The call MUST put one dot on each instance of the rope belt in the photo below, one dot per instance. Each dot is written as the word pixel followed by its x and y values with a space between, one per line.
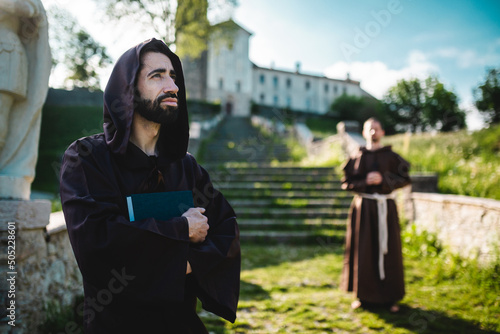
pixel 383 234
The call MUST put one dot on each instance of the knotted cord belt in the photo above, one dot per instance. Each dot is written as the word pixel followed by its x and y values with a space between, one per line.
pixel 383 234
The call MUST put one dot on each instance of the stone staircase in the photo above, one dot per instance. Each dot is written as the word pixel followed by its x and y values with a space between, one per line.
pixel 292 205
pixel 235 139
pixel 285 204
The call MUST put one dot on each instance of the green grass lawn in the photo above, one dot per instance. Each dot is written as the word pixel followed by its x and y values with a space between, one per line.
pixel 295 290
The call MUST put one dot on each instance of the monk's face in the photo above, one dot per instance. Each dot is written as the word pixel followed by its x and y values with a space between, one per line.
pixel 157 89
pixel 373 132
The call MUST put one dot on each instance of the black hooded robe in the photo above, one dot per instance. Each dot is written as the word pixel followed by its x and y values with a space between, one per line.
pixel 134 273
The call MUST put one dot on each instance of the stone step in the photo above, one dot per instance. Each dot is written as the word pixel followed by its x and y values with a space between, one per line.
pixel 232 193
pixel 294 202
pixel 291 224
pixel 266 169
pixel 323 238
pixel 282 185
pixel 283 178
pixel 281 213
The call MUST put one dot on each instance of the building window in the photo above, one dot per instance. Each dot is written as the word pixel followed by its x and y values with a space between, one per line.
pixel 344 90
pixel 288 83
pixel 275 100
pixel 308 85
pixel 308 104
pixel 275 82
pixel 288 101
pixel 326 88
pixel 262 78
pixel 335 89
pixel 262 98
pixel 238 86
pixel 221 83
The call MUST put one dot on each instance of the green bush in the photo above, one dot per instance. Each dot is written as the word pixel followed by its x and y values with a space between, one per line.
pixel 322 127
pixel 60 127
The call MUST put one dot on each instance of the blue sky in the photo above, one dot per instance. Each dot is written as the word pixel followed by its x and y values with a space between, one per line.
pixel 378 42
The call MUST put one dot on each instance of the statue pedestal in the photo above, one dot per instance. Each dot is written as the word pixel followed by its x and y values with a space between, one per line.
pixel 22 252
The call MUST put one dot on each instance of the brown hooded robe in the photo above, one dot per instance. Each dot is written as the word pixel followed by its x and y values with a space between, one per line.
pixel 134 273
pixel 361 271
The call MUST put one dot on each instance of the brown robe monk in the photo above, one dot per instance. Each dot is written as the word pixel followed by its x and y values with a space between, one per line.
pixel 361 272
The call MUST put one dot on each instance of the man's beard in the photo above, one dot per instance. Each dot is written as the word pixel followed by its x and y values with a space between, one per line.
pixel 154 112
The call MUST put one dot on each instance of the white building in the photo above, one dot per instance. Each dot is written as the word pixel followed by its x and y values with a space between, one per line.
pixel 225 74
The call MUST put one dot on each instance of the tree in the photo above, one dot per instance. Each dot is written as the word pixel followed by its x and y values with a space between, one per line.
pixel 487 96
pixel 356 108
pixel 406 100
pixel 422 105
pixel 74 49
pixel 441 108
pixel 183 21
pixel 192 28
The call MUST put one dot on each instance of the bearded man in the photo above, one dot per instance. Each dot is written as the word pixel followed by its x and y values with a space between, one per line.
pixel 145 276
pixel 373 263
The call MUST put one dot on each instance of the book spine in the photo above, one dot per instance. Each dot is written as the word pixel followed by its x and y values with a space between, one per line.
pixel 130 209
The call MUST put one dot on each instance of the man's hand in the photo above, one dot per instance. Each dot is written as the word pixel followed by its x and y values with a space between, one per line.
pixel 188 269
pixel 373 178
pixel 197 223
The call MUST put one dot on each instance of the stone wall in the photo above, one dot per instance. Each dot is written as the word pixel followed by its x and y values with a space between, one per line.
pixel 467 225
pixel 45 270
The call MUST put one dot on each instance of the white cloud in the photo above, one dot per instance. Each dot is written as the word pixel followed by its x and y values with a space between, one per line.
pixel 376 77
pixel 469 58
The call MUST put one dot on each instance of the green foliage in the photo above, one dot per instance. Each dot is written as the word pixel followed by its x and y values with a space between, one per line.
pixel 191 28
pixel 414 104
pixel 60 127
pixel 73 48
pixel 466 164
pixel 420 244
pixel 297 151
pixel 356 108
pixel 487 96
pixel 322 127
pixel 445 267
pixel 62 319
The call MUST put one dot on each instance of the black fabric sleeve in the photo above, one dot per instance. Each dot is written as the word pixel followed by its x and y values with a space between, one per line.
pixel 216 262
pixel 151 254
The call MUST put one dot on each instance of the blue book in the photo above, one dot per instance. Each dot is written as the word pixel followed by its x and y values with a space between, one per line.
pixel 161 206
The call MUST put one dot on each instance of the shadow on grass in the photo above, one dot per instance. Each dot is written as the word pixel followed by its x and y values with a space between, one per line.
pixel 250 291
pixel 426 321
pixel 261 256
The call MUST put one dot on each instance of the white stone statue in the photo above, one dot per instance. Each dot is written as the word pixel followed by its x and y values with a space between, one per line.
pixel 25 63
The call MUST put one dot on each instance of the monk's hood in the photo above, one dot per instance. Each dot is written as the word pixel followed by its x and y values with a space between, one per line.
pixel 119 106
